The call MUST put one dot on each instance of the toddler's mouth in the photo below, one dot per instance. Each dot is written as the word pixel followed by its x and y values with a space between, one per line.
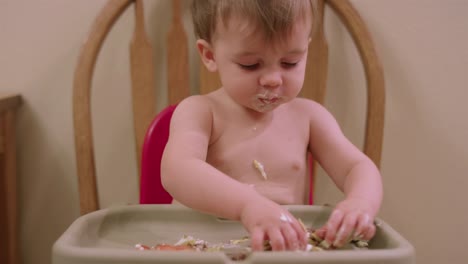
pixel 268 101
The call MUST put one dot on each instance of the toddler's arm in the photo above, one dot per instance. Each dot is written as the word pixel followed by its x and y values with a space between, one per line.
pixel 196 184
pixel 353 173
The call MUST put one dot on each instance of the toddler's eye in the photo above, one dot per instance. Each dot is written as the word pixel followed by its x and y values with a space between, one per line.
pixel 249 67
pixel 289 64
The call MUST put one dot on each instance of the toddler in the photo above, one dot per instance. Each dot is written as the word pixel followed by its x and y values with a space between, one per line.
pixel 240 152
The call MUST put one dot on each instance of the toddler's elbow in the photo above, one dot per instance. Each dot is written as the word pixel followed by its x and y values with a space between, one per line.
pixel 165 179
pixel 165 172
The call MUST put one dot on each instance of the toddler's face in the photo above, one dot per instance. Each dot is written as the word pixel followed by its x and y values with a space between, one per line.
pixel 257 74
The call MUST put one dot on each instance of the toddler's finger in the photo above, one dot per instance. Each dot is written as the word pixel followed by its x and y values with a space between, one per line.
pixel 256 239
pixel 345 230
pixel 276 240
pixel 363 223
pixel 321 232
pixel 290 237
pixel 369 232
pixel 332 225
pixel 301 233
pixel 302 237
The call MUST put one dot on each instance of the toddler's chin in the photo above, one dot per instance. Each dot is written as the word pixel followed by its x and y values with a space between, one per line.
pixel 263 108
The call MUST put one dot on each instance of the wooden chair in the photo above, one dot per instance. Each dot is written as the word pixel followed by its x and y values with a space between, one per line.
pixel 144 90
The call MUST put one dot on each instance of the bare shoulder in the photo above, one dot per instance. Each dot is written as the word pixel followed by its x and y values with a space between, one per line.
pixel 314 111
pixel 323 127
pixel 304 103
pixel 194 103
pixel 194 112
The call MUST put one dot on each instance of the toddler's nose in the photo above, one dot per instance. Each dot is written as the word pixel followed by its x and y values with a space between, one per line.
pixel 271 79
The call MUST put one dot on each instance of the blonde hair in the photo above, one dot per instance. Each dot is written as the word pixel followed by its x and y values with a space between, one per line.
pixel 271 17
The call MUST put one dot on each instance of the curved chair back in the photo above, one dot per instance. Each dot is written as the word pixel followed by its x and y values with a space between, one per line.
pixel 144 87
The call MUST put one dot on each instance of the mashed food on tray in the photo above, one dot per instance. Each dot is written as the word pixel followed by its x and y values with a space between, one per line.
pixel 239 249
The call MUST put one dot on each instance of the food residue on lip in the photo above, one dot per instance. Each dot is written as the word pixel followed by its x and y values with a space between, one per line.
pixel 257 165
pixel 268 101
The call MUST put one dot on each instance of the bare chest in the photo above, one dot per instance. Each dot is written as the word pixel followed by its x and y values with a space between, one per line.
pixel 272 158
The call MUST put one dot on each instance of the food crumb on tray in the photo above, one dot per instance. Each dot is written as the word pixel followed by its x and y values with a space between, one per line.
pixel 239 249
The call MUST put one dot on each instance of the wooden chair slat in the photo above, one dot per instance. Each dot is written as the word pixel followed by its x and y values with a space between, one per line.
pixel 177 58
pixel 374 77
pixel 143 84
pixel 82 103
pixel 315 80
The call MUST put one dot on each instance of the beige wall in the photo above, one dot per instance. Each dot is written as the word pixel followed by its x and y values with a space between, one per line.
pixel 422 44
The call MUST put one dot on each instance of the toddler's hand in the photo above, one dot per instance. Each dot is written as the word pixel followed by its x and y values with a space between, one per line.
pixel 265 219
pixel 351 219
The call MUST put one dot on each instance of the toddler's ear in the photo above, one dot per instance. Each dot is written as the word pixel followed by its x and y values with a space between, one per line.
pixel 206 54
